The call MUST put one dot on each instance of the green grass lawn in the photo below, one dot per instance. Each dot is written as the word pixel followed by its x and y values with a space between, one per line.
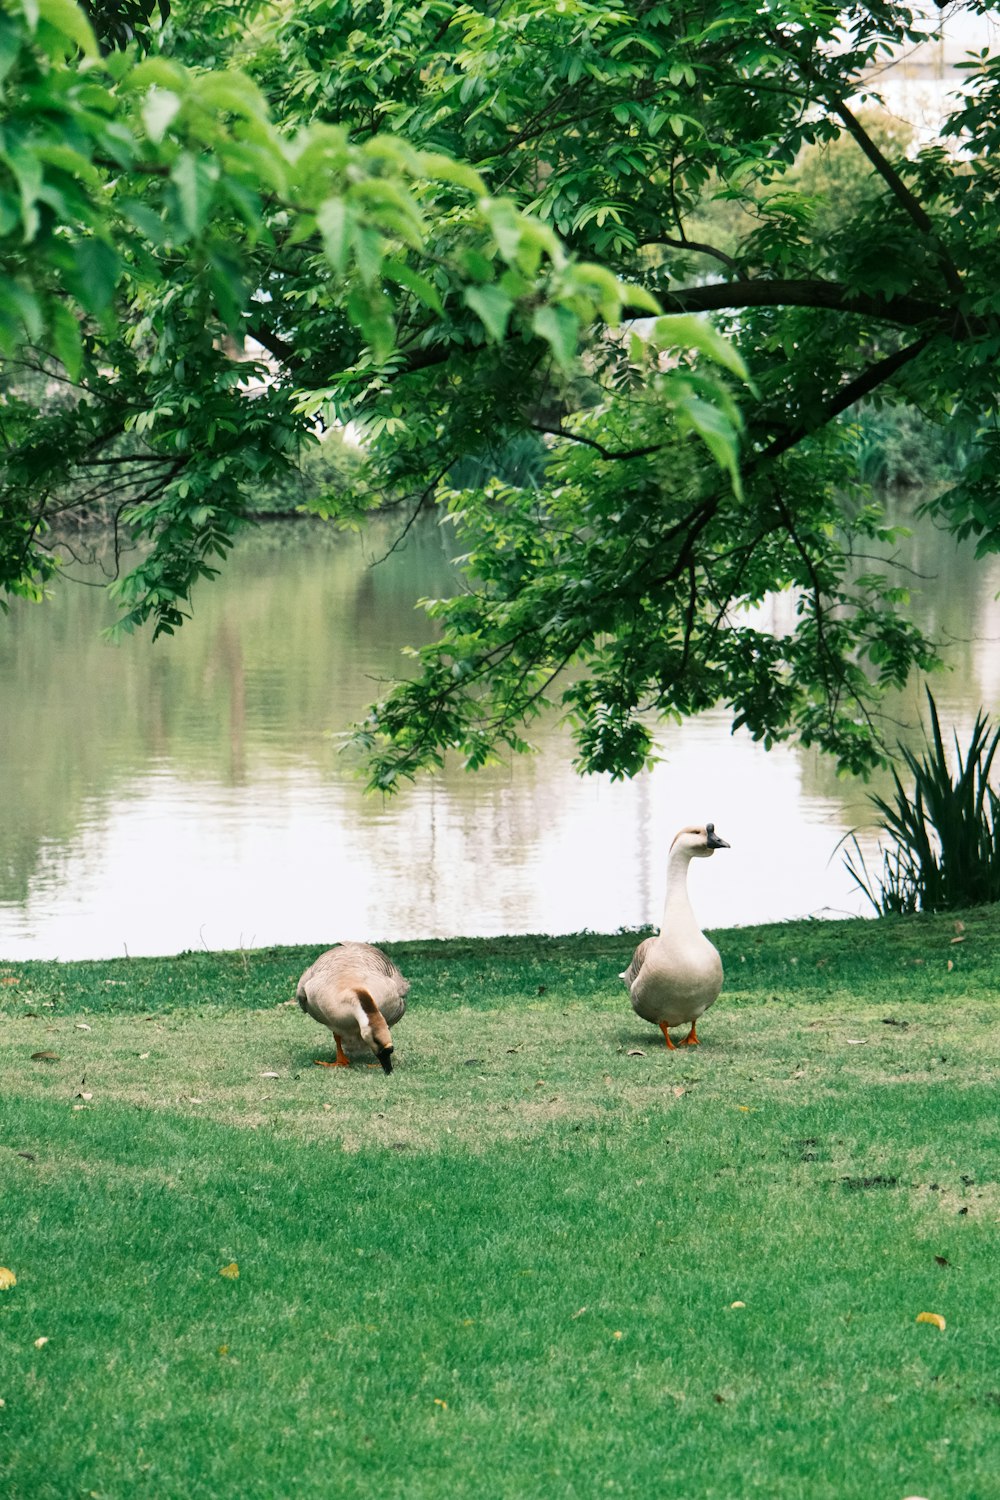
pixel 545 1258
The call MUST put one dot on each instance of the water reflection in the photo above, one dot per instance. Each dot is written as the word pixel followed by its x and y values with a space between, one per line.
pixel 192 792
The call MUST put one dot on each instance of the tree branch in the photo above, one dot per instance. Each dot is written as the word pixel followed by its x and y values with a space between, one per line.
pixel 904 311
pixel 862 385
pixel 729 296
pixel 606 453
pixel 907 200
pixel 696 245
pixel 425 495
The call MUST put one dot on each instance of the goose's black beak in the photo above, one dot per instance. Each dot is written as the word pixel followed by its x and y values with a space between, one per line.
pixel 714 842
pixel 384 1056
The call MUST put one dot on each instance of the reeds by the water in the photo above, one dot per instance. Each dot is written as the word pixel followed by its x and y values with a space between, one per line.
pixel 946 833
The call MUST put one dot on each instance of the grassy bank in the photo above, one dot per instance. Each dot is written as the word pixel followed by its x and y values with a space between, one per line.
pixel 544 1258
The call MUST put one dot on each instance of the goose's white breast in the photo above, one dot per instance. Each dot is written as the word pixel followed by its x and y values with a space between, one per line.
pixel 678 981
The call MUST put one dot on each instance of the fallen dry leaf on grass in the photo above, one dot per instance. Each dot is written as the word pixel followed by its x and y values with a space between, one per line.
pixel 636 1052
pixel 83 1096
pixel 270 1075
pixel 10 979
pixel 40 1343
pixel 438 1402
pixel 231 1272
pixel 737 1304
pixel 678 1090
pixel 45 1057
pixel 7 1278
pixel 934 1318
pixel 82 1026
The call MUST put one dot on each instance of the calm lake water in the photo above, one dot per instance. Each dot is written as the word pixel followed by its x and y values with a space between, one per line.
pixel 193 793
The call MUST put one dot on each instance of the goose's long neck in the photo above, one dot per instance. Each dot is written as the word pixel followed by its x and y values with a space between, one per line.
pixel 677 910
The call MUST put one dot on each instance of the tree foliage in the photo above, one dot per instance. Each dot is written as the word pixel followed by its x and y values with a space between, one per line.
pixel 471 227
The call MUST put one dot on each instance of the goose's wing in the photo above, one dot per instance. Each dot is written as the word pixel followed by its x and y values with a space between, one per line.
pixel 388 986
pixel 393 1001
pixel 628 976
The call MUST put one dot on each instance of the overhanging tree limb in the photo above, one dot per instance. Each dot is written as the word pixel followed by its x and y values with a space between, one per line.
pixel 452 319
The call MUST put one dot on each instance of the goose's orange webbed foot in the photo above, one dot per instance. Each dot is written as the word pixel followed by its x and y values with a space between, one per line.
pixel 666 1036
pixel 691 1040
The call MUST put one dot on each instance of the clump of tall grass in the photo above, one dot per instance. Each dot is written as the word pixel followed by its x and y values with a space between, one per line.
pixel 946 849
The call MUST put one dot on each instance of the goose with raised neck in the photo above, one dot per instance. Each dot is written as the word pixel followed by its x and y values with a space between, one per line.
pixel 674 977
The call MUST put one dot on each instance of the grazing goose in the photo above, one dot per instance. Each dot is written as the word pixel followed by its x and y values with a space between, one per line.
pixel 359 993
pixel 675 977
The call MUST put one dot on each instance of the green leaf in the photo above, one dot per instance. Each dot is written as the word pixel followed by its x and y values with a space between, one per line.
pixel 424 290
pixel 66 159
pixel 505 224
pixel 599 284
pixel 334 223
pixel 639 298
pixel 371 312
pixel 194 180
pixel 20 314
pixel 66 339
pixel 70 21
pixel 233 92
pixel 441 168
pixel 228 289
pixel 689 331
pixel 560 329
pixel 156 72
pixel 159 110
pixel 369 253
pixel 96 269
pixel 492 307
pixel 144 218
pixel 716 432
